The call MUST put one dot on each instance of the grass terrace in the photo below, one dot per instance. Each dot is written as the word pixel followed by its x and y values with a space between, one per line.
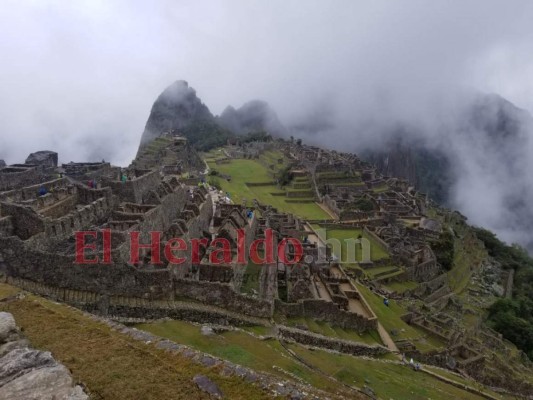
pixel 243 171
pixel 389 317
pixel 110 364
pixel 323 328
pixel 377 251
pixel 130 369
pixel 387 379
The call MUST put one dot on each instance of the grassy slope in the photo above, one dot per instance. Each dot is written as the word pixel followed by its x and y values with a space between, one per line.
pixel 390 319
pixel 112 365
pixel 376 250
pixel 242 171
pixel 387 379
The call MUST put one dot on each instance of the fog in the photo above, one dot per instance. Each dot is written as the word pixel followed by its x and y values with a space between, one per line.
pixel 80 77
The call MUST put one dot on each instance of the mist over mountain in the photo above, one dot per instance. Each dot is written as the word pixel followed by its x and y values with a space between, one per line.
pixel 471 152
pixel 178 108
pixel 253 116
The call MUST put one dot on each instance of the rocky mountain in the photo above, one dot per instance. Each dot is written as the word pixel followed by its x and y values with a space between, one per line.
pixel 176 108
pixel 253 116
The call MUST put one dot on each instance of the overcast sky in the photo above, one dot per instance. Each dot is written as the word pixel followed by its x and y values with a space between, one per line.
pixel 80 77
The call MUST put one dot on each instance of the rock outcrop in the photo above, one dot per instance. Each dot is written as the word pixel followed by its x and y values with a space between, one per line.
pixel 175 108
pixel 45 158
pixel 26 373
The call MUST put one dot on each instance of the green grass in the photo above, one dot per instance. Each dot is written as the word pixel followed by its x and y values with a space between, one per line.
pixel 389 317
pixel 111 365
pixel 468 254
pixel 401 287
pixel 242 171
pixel 323 328
pixel 240 348
pixel 388 380
pixel 372 272
pixel 377 251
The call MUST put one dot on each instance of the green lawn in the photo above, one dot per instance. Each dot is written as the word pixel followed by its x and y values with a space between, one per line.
pixel 326 329
pixel 401 287
pixel 241 348
pixel 387 379
pixel 242 171
pixel 389 317
pixel 377 251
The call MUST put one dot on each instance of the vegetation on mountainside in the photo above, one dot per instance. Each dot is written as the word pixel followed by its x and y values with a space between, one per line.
pixel 284 176
pixel 110 364
pixel 377 251
pixel 387 379
pixel 513 318
pixel 444 249
pixel 243 171
pixel 206 135
pixel 364 204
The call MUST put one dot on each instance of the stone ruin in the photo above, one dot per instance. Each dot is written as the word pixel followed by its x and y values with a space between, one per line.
pixel 41 211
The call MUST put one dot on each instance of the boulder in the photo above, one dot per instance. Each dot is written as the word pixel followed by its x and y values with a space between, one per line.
pixel 7 326
pixel 207 385
pixel 29 374
pixel 45 158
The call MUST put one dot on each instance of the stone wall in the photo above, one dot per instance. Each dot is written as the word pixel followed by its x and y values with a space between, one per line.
pixel 340 345
pixel 326 311
pixel 134 189
pixel 129 307
pixel 17 177
pixel 222 295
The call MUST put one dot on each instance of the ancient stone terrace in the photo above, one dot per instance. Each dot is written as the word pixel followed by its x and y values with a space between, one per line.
pixel 88 170
pixel 169 153
pixel 64 208
pixel 14 177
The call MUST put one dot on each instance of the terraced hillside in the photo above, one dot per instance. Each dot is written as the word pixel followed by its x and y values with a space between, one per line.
pixel 249 179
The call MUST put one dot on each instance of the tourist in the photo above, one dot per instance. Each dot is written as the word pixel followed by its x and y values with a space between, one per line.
pixel 42 191
pixel 386 301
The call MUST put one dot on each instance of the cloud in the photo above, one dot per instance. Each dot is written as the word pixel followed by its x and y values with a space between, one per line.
pixel 80 77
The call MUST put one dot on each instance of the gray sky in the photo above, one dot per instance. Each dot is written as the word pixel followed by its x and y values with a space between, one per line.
pixel 80 77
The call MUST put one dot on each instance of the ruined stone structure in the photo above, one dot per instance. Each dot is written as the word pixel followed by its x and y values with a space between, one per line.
pixel 39 223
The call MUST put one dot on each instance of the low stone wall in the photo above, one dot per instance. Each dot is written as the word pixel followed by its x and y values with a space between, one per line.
pixel 289 309
pixel 222 295
pixel 340 345
pixel 130 307
pixel 13 178
pixel 326 311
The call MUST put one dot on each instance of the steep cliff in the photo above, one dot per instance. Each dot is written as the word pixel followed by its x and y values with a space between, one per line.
pixel 177 107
